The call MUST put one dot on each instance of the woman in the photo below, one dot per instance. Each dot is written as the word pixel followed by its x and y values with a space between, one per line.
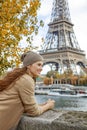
pixel 17 92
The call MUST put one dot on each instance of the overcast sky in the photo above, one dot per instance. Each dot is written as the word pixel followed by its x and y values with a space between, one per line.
pixel 78 13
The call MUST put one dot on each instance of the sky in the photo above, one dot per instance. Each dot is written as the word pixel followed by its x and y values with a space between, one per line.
pixel 78 13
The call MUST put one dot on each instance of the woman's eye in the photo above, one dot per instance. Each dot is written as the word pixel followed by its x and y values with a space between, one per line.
pixel 40 65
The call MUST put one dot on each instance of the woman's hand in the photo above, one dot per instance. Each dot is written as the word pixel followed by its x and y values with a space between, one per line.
pixel 47 105
pixel 51 103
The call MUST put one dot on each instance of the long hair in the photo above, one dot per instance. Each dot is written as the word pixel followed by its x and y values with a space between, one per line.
pixel 11 77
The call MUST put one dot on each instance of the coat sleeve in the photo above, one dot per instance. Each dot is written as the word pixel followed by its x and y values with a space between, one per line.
pixel 26 94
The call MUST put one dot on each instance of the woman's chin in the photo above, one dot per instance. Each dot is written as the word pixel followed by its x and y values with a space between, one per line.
pixel 38 75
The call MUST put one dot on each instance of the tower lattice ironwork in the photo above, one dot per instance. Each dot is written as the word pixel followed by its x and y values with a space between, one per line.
pixel 61 47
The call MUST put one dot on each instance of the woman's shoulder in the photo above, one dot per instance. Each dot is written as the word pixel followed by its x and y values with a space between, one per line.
pixel 25 80
pixel 26 76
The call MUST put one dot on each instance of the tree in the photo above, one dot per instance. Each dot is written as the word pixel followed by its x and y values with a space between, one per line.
pixel 18 18
pixel 52 73
pixel 48 80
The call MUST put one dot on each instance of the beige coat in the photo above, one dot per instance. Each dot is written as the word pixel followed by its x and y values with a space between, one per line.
pixel 17 100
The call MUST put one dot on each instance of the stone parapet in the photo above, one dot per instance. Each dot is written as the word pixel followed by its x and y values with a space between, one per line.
pixel 55 120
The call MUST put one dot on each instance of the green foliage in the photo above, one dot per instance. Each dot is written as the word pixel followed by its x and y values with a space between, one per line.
pixel 52 73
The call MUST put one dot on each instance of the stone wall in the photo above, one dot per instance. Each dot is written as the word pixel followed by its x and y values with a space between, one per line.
pixel 55 120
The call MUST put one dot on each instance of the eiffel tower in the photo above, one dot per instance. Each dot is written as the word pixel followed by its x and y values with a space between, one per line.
pixel 61 48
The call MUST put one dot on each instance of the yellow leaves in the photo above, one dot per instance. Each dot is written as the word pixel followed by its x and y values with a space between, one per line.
pixel 4 32
pixel 18 18
pixel 25 31
pixel 5 4
pixel 7 25
pixel 31 29
pixel 23 2
pixel 48 81
pixel 34 4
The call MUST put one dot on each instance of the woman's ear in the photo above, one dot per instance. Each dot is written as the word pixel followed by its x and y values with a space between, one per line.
pixel 28 67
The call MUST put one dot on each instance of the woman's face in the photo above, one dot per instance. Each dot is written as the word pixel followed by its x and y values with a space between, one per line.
pixel 35 69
